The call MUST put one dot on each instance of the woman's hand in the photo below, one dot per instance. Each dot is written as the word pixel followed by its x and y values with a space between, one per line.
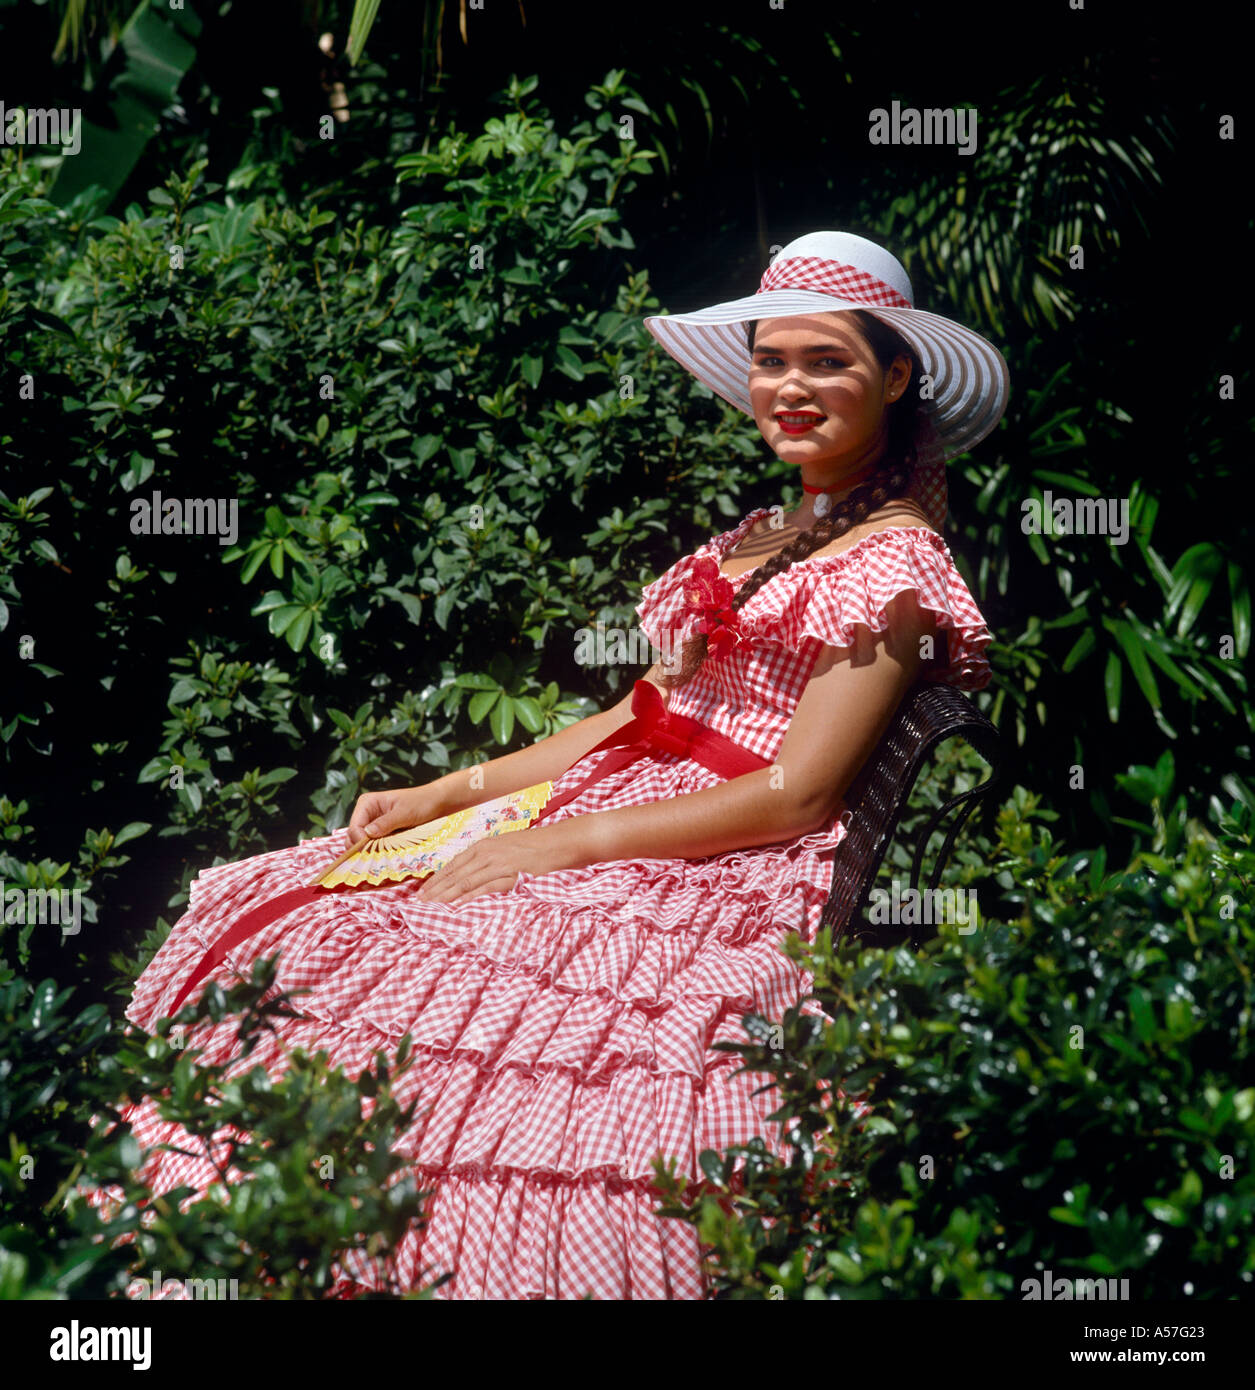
pixel 493 865
pixel 382 813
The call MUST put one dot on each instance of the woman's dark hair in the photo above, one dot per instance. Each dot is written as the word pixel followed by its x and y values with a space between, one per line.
pixel 890 481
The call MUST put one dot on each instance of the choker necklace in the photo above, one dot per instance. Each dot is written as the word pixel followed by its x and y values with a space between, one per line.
pixel 823 501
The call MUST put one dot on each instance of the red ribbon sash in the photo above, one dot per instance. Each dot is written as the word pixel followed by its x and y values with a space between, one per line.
pixel 652 728
pixel 240 930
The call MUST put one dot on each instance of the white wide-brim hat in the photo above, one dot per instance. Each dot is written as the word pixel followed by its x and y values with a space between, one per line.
pixel 824 272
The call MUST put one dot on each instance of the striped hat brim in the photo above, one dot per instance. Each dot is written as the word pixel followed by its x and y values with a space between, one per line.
pixel 970 381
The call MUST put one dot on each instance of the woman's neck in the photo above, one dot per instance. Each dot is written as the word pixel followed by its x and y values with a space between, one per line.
pixel 806 514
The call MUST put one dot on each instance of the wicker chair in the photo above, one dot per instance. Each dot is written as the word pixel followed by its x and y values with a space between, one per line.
pixel 929 714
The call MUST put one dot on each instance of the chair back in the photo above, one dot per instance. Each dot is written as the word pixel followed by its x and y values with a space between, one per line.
pixel 929 714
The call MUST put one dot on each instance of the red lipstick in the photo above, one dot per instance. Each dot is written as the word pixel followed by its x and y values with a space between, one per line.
pixel 797 421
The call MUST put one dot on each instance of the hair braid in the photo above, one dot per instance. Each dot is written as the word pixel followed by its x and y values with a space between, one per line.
pixel 889 482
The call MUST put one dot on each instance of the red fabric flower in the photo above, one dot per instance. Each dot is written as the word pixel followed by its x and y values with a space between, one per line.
pixel 710 594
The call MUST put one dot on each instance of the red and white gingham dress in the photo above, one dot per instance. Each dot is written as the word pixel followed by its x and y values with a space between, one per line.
pixel 564 1029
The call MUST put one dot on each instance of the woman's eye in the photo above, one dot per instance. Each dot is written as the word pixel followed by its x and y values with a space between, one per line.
pixel 771 360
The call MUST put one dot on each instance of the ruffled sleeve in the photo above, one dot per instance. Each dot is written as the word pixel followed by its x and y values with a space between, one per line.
pixel 662 601
pixel 827 597
pixel 661 608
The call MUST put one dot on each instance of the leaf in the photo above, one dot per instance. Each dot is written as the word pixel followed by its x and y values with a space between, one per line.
pixel 844 1267
pixel 1241 597
pixel 1139 783
pixel 184 689
pixel 253 563
pixel 1143 1013
pixel 283 618
pixel 1193 605
pixel 360 25
pixel 1164 1211
pixel 1192 578
pixel 529 713
pixel 132 831
pixel 49 321
pixel 1111 684
pixel 270 600
pixel 481 703
pixel 1131 644
pixel 154 50
pixel 1153 648
pixel 276 775
pixel 299 629
pixel 43 1003
pixel 1238 790
pixel 444 605
pixel 568 363
pixel 1068 480
pixel 1080 650
pixel 501 720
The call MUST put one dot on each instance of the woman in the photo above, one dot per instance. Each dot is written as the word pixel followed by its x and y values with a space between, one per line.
pixel 564 985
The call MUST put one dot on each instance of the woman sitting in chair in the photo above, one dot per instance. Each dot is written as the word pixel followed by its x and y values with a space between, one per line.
pixel 564 985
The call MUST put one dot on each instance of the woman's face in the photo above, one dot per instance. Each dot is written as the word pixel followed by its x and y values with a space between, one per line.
pixel 819 395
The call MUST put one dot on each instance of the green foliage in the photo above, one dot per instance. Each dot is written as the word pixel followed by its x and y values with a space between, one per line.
pixel 1065 1088
pixel 1143 628
pixel 452 446
pixel 138 80
pixel 427 429
pixel 318 1181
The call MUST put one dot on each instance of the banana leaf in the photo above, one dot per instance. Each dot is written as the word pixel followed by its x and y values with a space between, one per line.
pixel 154 51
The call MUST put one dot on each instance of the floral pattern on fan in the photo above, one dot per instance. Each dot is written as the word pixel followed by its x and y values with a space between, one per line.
pixel 421 850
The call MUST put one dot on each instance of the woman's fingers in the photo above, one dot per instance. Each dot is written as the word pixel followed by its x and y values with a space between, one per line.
pixel 451 890
pixel 476 870
pixel 496 885
pixel 369 811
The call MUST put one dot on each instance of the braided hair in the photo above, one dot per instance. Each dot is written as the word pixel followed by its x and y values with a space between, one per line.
pixel 890 481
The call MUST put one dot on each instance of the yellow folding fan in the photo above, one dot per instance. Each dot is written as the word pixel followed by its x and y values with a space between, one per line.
pixel 421 850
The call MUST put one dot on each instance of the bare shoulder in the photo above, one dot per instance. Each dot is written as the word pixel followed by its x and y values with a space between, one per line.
pixel 904 511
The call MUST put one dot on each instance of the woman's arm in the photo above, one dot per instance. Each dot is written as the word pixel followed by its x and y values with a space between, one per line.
pixel 397 808
pixel 842 714
pixel 544 761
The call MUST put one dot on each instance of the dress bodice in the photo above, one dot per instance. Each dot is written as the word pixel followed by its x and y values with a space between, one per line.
pixel 751 693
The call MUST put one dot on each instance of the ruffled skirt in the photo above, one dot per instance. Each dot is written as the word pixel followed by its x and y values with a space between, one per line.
pixel 563 1036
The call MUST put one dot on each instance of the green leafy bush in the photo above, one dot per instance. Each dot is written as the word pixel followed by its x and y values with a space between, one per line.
pixel 427 430
pixel 1065 1089
pixel 320 1178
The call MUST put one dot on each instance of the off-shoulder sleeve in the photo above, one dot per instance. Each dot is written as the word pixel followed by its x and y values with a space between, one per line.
pixel 662 602
pixel 661 608
pixel 828 597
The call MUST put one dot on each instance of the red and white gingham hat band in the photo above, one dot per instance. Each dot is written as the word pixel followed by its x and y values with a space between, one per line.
pixel 825 272
pixel 830 277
